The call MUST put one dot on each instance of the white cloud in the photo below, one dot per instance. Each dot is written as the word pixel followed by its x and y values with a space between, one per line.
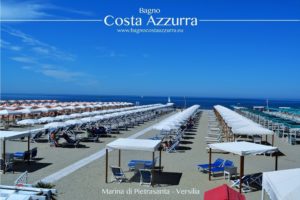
pixel 38 46
pixel 12 9
pixel 41 50
pixel 24 59
pixel 8 45
pixel 62 74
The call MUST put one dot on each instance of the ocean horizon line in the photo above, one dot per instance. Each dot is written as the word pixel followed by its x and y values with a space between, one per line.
pixel 154 96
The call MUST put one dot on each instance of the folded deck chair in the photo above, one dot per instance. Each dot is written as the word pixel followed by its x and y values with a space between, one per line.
pixel 117 174
pixel 213 140
pixel 146 177
pixel 249 182
pixel 218 163
pixel 70 142
pixel 173 147
pixel 33 153
pixel 220 169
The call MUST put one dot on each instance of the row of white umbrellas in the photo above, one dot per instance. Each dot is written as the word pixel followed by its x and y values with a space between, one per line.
pixel 78 115
pixel 29 110
pixel 240 124
pixel 175 121
pixel 104 117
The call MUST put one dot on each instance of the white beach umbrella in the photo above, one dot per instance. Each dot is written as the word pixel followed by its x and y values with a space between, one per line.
pixel 55 125
pixel 25 111
pixel 86 119
pixel 84 114
pixel 44 110
pixel 75 115
pixel 7 112
pixel 62 117
pixel 58 108
pixel 46 119
pixel 99 117
pixel 69 108
pixel 27 122
pixel 73 122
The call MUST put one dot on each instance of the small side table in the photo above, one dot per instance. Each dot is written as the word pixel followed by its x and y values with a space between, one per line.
pixel 229 171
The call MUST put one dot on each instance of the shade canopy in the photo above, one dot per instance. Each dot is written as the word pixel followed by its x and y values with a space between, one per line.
pixel 243 148
pixel 282 185
pixel 241 125
pixel 8 135
pixel 223 192
pixel 176 120
pixel 134 144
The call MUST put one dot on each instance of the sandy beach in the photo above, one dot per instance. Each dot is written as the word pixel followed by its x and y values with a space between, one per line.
pixel 88 182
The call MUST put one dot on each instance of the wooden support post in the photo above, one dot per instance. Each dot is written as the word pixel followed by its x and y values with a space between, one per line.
pixel 119 157
pixel 272 140
pixel 153 155
pixel 276 162
pixel 160 159
pixel 3 155
pixel 209 165
pixel 28 149
pixel 106 166
pixel 241 172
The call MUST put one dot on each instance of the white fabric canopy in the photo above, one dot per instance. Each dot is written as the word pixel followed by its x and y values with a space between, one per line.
pixel 134 144
pixel 282 185
pixel 241 125
pixel 7 135
pixel 243 148
pixel 176 120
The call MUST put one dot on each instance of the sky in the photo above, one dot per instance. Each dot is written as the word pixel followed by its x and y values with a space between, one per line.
pixel 214 59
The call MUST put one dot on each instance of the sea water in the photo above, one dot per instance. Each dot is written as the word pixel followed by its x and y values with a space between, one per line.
pixel 206 103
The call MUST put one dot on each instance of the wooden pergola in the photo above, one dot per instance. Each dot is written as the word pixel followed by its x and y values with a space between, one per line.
pixel 134 145
pixel 242 149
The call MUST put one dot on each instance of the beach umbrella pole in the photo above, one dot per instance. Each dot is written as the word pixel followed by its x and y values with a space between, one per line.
pixel 160 159
pixel 241 172
pixel 119 157
pixel 106 165
pixel 153 155
pixel 3 155
pixel 28 149
pixel 209 165
pixel 276 162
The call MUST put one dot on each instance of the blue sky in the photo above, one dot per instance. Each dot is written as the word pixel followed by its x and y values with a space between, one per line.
pixel 214 59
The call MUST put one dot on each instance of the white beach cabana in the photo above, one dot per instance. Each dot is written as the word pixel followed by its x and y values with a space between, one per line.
pixel 242 149
pixel 281 185
pixel 176 120
pixel 240 125
pixel 9 135
pixel 134 145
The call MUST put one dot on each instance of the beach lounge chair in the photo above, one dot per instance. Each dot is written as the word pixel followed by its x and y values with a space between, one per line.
pixel 218 163
pixel 70 142
pixel 148 164
pixel 9 162
pixel 220 169
pixel 33 153
pixel 146 177
pixel 22 155
pixel 173 147
pixel 250 182
pixel 213 139
pixel 117 174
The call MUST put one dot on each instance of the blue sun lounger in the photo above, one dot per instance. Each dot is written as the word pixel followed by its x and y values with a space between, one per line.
pixel 218 163
pixel 214 170
pixel 148 164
